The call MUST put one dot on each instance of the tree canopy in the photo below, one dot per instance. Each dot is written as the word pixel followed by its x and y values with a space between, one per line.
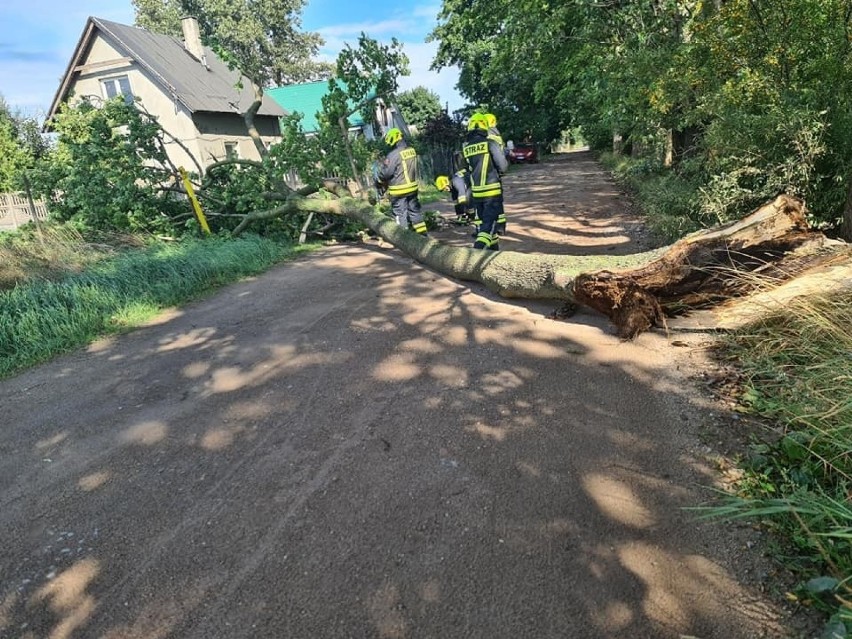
pixel 261 38
pixel 419 105
pixel 21 144
pixel 742 99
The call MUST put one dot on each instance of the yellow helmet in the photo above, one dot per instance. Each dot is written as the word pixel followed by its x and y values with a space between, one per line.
pixel 491 119
pixel 393 136
pixel 442 182
pixel 477 121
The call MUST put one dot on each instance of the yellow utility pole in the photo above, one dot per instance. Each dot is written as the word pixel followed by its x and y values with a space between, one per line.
pixel 195 205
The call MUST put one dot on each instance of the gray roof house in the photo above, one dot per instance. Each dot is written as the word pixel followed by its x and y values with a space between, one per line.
pixel 185 85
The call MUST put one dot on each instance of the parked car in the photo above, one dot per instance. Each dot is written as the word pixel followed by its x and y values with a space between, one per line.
pixel 523 153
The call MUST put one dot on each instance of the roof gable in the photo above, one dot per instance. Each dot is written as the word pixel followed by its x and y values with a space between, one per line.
pixel 210 88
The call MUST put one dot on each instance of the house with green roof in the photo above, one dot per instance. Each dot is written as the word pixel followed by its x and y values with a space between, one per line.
pixel 306 99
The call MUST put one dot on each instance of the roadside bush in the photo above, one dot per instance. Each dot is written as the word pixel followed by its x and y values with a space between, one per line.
pixel 797 372
pixel 668 200
pixel 107 170
pixel 753 157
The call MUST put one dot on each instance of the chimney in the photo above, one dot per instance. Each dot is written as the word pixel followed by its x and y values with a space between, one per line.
pixel 192 38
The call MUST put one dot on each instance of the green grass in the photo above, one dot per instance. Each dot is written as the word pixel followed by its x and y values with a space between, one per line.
pixel 52 251
pixel 797 372
pixel 41 318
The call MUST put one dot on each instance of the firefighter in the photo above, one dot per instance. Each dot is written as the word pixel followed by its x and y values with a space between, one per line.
pixel 461 179
pixel 493 131
pixel 459 188
pixel 485 164
pixel 399 174
pixel 494 134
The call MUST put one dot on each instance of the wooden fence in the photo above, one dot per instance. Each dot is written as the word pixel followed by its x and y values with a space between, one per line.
pixel 15 210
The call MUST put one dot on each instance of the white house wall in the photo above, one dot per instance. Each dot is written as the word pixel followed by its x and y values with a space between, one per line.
pixel 103 61
pixel 172 115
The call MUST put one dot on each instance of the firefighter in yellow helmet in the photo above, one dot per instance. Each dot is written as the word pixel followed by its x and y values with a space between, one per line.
pixel 485 164
pixel 458 186
pixel 493 131
pixel 494 134
pixel 399 174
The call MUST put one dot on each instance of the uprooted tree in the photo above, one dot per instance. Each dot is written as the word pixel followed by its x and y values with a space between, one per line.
pixel 121 151
pixel 635 291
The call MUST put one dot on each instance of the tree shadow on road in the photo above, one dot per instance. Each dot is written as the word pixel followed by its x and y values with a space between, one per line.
pixel 353 446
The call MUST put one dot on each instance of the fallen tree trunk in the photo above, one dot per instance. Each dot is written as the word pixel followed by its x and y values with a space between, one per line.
pixel 635 291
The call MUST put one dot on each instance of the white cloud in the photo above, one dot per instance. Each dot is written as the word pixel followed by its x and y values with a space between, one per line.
pixel 420 57
pixel 372 29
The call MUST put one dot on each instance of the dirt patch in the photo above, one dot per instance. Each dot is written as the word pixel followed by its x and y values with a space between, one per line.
pixel 354 446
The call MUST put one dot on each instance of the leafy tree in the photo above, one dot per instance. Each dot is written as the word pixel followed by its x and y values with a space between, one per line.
pixel 507 53
pixel 443 130
pixel 419 105
pixel 438 142
pixel 109 169
pixel 369 70
pixel 365 72
pixel 12 157
pixel 261 37
pixel 21 144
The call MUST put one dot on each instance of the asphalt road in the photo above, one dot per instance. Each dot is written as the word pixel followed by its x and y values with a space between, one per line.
pixel 353 446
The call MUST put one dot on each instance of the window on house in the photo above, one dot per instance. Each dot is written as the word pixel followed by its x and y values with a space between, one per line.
pixel 118 86
pixel 232 151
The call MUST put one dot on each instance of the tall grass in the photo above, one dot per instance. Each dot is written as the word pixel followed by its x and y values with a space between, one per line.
pixel 797 371
pixel 50 251
pixel 40 318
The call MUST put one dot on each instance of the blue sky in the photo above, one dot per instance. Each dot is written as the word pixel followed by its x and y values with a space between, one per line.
pixel 37 39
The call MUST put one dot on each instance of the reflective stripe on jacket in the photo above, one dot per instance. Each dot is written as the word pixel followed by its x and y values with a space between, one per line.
pixel 399 170
pixel 459 187
pixel 486 163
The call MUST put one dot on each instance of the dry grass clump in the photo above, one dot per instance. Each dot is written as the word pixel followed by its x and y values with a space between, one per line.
pixel 53 251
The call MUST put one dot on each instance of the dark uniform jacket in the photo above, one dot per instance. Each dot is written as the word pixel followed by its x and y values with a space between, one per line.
pixel 486 162
pixel 399 170
pixel 460 187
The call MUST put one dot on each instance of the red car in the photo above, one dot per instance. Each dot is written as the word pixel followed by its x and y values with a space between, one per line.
pixel 523 153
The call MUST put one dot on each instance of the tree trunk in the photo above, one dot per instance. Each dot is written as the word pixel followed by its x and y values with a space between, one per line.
pixel 846 225
pixel 249 116
pixel 634 291
pixel 682 144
